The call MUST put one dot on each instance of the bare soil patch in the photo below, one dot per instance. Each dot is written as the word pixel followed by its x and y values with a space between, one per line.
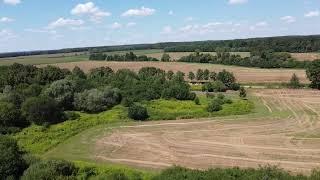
pixel 306 56
pixel 249 142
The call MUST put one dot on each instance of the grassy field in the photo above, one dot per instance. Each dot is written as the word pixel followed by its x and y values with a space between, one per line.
pixel 38 139
pixel 269 135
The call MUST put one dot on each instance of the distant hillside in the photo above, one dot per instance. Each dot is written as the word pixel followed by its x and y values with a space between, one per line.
pixel 294 44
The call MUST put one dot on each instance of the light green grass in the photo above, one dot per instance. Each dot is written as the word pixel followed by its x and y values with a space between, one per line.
pixel 38 139
pixel 42 59
pixel 173 109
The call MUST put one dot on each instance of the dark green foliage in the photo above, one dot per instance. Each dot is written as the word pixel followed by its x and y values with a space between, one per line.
pixel 260 59
pixel 191 76
pixel 294 82
pixel 170 75
pixel 215 105
pixel 50 170
pixel 216 86
pixel 313 73
pixel 206 74
pixel 31 90
pixel 77 72
pixel 213 76
pixel 199 75
pixel 138 112
pixel 227 78
pixel 179 173
pixel 10 115
pixel 50 74
pixel 62 91
pixel 95 100
pixel 11 161
pixel 119 57
pixel 165 57
pixel 177 89
pixel 18 74
pixel 42 110
pixel 101 72
pixel 197 101
pixel 243 92
pixel 11 96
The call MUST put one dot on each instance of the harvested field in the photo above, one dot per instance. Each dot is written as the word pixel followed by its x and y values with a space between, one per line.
pixel 243 74
pixel 306 56
pixel 291 142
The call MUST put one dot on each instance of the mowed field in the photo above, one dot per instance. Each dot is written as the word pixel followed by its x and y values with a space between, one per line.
pixel 284 131
pixel 243 75
pixel 306 56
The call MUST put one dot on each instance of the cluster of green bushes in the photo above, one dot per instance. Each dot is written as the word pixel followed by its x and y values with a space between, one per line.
pixel 261 59
pixel 216 103
pixel 32 95
pixel 119 57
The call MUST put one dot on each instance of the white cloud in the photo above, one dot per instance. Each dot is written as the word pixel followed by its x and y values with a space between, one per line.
pixel 116 25
pixel 312 14
pixel 130 24
pixel 6 19
pixel 288 19
pixel 170 13
pixel 6 35
pixel 235 2
pixel 41 31
pixel 143 11
pixel 261 24
pixel 62 22
pixel 12 2
pixel 167 30
pixel 90 9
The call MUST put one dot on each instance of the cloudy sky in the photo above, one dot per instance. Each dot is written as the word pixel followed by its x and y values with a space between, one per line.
pixel 54 24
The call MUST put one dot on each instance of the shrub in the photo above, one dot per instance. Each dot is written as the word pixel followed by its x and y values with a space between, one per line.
pixel 62 91
pixel 42 110
pixel 227 78
pixel 216 86
pixel 50 170
pixel 294 82
pixel 313 73
pixel 138 112
pixel 165 57
pixel 9 115
pixel 50 74
pixel 77 72
pixel 197 101
pixel 170 75
pixel 11 161
pixel 95 100
pixel 191 76
pixel 215 105
pixel 243 92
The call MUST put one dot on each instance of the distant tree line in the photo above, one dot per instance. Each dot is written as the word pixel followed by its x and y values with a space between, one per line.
pixel 261 59
pixel 43 96
pixel 277 44
pixel 120 57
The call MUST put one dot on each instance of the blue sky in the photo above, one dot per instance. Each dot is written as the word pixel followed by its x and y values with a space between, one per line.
pixel 48 24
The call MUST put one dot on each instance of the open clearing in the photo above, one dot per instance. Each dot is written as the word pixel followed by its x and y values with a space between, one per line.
pixel 306 56
pixel 243 74
pixel 252 142
pixel 285 133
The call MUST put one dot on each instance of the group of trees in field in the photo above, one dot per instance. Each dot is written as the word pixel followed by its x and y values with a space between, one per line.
pixel 261 59
pixel 31 95
pixel 276 44
pixel 120 57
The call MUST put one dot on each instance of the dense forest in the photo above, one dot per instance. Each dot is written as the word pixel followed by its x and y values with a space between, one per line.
pixel 278 44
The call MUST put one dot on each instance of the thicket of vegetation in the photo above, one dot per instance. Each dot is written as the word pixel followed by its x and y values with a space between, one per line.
pixel 40 96
pixel 277 44
pixel 261 59
pixel 120 57
pixel 313 73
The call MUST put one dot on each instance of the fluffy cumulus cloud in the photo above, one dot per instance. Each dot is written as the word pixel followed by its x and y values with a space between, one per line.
pixel 235 2
pixel 312 14
pixel 288 19
pixel 90 9
pixel 12 2
pixel 6 19
pixel 63 22
pixel 143 11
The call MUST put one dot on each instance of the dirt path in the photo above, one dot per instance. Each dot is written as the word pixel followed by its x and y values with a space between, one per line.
pixel 251 142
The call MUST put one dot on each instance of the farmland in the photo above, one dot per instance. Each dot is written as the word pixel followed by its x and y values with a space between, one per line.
pixel 244 75
pixel 283 131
